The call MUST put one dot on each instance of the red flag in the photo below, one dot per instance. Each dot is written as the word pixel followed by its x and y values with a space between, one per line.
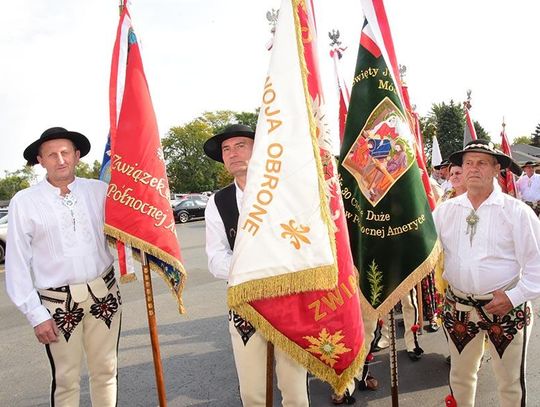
pixel 321 328
pixel 137 209
pixel 507 182
pixel 469 133
pixel 419 146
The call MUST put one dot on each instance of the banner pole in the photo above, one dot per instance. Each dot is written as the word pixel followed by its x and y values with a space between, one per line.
pixel 152 325
pixel 393 361
pixel 269 374
pixel 420 301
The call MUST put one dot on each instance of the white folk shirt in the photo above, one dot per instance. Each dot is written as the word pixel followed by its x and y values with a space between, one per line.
pixel 217 246
pixel 505 248
pixel 529 188
pixel 55 245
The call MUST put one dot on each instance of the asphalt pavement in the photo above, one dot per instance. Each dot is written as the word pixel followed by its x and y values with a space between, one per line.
pixel 196 353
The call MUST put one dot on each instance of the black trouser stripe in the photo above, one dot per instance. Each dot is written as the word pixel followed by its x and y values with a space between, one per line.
pixel 307 389
pixel 117 345
pixel 53 373
pixel 523 357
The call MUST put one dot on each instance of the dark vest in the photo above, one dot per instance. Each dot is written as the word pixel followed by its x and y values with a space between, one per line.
pixel 228 210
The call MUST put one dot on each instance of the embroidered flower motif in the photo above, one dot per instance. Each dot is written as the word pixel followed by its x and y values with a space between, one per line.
pixel 67 320
pixel 105 308
pixel 329 347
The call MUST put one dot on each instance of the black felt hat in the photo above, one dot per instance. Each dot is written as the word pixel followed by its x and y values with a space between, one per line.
pixel 81 143
pixel 481 146
pixel 444 163
pixel 529 164
pixel 212 146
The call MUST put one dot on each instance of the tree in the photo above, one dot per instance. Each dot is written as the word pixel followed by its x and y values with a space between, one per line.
pixel 536 136
pixel 480 131
pixel 15 181
pixel 447 122
pixel 188 168
pixel 83 170
pixel 523 140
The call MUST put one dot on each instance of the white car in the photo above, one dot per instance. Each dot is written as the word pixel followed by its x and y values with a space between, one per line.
pixel 3 237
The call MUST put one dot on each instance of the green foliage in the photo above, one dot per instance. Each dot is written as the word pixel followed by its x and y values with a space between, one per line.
pixel 523 140
pixel 374 277
pixel 447 122
pixel 15 181
pixel 536 136
pixel 83 170
pixel 188 168
pixel 480 131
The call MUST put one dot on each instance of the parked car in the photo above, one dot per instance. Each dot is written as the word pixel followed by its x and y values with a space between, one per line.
pixel 3 237
pixel 3 212
pixel 189 208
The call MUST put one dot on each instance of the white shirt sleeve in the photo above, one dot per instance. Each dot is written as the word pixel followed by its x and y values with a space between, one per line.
pixel 527 245
pixel 19 282
pixel 217 246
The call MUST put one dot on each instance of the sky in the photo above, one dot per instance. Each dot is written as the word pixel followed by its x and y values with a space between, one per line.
pixel 206 55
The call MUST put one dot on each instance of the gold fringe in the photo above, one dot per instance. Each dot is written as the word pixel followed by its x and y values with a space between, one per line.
pixel 440 283
pixel 155 268
pixel 128 278
pixel 323 199
pixel 303 357
pixel 406 285
pixel 318 278
pixel 154 251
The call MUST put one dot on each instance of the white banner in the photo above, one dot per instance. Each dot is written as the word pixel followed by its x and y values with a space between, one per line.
pixel 284 229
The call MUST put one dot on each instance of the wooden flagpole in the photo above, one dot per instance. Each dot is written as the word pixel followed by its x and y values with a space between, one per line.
pixel 152 325
pixel 393 361
pixel 420 302
pixel 269 374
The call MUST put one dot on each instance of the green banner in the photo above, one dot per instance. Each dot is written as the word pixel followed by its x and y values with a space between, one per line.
pixel 391 231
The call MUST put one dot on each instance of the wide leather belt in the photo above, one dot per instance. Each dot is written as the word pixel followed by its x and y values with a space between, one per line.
pixel 472 300
pixel 99 286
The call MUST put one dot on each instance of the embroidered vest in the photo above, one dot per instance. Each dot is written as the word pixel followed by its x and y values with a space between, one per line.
pixel 228 211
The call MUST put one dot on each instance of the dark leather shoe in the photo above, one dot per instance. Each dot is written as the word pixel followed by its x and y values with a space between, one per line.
pixel 415 357
pixel 369 384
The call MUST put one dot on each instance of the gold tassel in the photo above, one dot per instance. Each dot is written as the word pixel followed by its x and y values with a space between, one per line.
pixel 128 278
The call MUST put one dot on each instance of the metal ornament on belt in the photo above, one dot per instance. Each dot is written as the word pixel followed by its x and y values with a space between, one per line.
pixel 69 202
pixel 472 221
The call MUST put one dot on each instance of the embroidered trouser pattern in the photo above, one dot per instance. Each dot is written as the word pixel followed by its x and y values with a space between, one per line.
pixel 249 348
pixel 467 325
pixel 90 328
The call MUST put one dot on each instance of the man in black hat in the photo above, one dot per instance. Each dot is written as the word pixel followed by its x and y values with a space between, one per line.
pixel 491 245
pixel 59 270
pixel 528 186
pixel 444 176
pixel 233 148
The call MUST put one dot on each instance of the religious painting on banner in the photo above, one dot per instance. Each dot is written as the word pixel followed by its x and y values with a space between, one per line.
pixel 137 208
pixel 392 235
pixel 292 274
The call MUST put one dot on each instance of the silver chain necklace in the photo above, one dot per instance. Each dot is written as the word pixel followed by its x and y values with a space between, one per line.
pixel 69 202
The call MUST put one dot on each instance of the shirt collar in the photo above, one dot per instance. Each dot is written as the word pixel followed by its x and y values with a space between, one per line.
pixel 495 198
pixel 55 190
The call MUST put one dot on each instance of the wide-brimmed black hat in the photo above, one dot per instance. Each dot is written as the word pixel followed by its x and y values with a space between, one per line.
pixel 81 143
pixel 481 146
pixel 529 164
pixel 212 146
pixel 444 163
